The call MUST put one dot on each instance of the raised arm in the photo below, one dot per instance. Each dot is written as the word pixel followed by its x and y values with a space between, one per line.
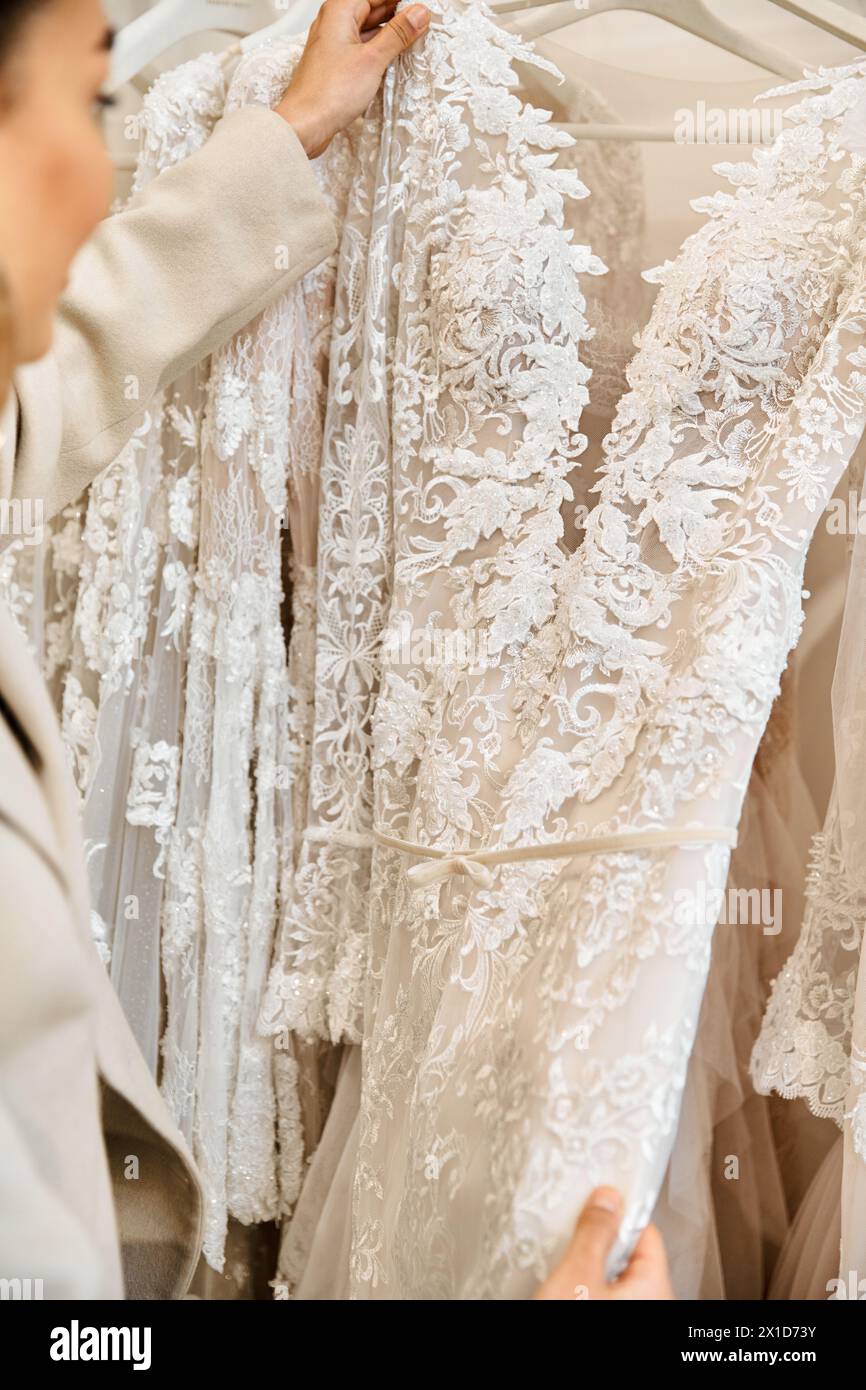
pixel 200 252
pixel 197 255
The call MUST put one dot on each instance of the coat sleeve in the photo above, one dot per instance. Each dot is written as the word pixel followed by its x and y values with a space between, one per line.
pixel 43 1246
pixel 198 254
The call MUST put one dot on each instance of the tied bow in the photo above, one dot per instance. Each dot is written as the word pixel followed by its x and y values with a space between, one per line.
pixel 443 865
pixel 449 866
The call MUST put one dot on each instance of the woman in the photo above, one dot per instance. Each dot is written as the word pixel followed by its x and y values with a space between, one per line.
pixel 98 1193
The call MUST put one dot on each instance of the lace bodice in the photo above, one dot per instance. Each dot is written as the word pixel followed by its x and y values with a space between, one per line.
pixel 317 984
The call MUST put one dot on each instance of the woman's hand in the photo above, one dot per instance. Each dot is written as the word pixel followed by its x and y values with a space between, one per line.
pixel 581 1272
pixel 350 44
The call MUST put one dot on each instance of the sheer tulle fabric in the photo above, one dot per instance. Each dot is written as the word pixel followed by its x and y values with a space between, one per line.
pixel 813 1040
pixel 809 1263
pixel 724 1204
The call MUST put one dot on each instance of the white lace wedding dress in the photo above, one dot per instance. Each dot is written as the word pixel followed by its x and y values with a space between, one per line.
pixel 545 816
pixel 812 1045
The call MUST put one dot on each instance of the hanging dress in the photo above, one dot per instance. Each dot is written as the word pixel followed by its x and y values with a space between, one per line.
pixel 561 760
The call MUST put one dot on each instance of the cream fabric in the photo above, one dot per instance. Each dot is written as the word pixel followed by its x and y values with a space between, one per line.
pixel 160 287
pixel 525 1041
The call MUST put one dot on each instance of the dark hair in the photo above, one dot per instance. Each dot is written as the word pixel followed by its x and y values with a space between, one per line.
pixel 13 14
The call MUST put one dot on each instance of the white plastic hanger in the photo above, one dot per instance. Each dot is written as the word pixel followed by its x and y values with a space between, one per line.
pixel 826 14
pixel 297 21
pixel 140 43
pixel 690 15
pixel 686 14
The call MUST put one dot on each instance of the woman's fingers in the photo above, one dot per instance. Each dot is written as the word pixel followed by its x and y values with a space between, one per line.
pixel 647 1275
pixel 580 1273
pixel 596 1232
pixel 378 15
pixel 401 31
pixel 345 57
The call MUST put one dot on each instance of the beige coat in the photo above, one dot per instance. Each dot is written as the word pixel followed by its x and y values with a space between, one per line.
pixel 88 1151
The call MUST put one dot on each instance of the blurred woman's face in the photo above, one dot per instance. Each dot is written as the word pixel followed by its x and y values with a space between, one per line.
pixel 55 174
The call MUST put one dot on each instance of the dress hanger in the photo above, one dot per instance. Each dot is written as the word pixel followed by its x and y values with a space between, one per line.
pixel 826 14
pixel 698 20
pixel 140 43
pixel 303 12
pixel 691 15
pixel 686 14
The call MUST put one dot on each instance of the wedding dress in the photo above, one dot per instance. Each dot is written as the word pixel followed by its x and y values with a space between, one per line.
pixel 318 981
pixel 718 1102
pixel 535 975
pixel 812 1045
pixel 721 1234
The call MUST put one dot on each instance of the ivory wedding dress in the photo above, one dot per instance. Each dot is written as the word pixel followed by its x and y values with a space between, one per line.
pixel 309 992
pixel 812 1045
pixel 549 808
